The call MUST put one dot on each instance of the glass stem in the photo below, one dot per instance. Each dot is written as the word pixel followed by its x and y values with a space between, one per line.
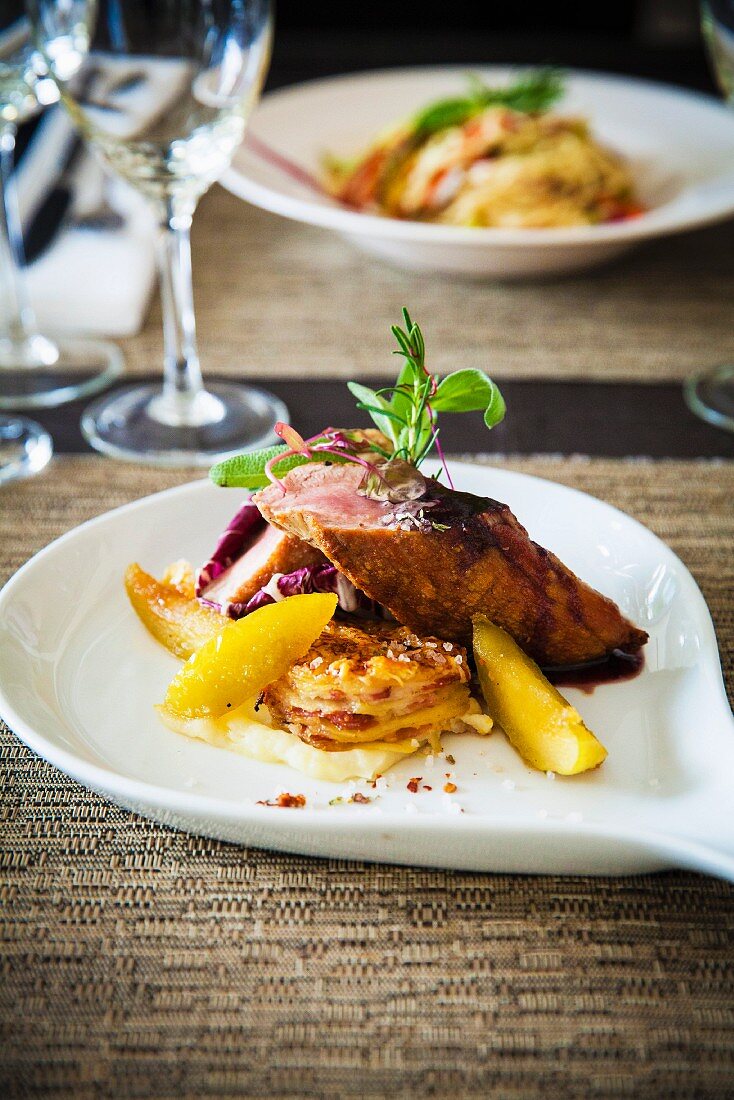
pixel 184 401
pixel 20 322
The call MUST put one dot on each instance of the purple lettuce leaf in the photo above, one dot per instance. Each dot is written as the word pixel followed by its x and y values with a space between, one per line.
pixel 232 544
pixel 310 578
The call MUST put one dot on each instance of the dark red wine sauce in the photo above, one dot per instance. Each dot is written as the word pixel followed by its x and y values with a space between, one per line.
pixel 619 666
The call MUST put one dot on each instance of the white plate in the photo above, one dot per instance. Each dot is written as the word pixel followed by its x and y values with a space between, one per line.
pixel 680 145
pixel 79 676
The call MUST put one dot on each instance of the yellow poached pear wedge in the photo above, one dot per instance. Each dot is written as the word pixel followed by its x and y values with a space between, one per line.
pixel 247 655
pixel 542 726
pixel 176 620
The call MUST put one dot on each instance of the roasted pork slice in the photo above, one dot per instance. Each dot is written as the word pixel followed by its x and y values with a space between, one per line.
pixel 270 551
pixel 437 559
pixel 375 682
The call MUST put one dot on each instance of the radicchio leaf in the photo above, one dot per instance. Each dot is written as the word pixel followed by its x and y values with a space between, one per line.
pixel 232 544
pixel 310 578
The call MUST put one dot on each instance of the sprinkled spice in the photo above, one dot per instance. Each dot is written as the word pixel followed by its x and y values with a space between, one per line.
pixel 450 788
pixel 426 787
pixel 413 784
pixel 449 758
pixel 358 797
pixel 285 801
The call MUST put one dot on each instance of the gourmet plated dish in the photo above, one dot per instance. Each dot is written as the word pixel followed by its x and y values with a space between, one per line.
pixel 356 609
pixel 496 157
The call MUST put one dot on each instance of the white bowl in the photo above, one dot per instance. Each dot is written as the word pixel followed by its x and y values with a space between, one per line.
pixel 680 146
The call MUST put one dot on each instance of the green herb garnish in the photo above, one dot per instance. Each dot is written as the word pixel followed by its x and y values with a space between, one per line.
pixel 405 413
pixel 532 94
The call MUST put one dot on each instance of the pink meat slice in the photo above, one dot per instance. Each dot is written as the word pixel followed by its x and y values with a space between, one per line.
pixel 273 551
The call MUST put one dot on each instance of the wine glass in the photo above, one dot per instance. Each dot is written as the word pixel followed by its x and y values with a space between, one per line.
pixel 35 370
pixel 172 86
pixel 711 394
pixel 25 447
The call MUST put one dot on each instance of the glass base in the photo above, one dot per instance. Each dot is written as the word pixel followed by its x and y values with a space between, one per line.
pixel 25 448
pixel 141 424
pixel 40 373
pixel 711 396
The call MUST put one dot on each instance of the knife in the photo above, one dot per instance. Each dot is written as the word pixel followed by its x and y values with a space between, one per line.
pixel 50 213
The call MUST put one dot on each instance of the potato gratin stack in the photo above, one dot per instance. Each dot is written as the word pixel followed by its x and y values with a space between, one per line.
pixel 374 683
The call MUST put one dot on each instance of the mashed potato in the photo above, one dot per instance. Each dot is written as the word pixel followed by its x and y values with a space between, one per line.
pixel 250 734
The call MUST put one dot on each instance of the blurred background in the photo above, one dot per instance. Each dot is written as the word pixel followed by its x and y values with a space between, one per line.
pixel 659 39
pixel 340 303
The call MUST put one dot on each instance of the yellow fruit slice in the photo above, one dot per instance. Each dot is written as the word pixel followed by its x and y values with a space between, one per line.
pixel 545 729
pixel 248 655
pixel 177 621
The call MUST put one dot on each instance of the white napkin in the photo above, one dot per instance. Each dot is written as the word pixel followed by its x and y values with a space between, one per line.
pixel 88 280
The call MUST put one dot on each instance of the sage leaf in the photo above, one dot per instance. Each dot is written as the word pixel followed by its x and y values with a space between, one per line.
pixel 247 471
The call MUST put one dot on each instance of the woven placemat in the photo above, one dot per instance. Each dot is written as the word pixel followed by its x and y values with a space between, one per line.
pixel 141 962
pixel 274 297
